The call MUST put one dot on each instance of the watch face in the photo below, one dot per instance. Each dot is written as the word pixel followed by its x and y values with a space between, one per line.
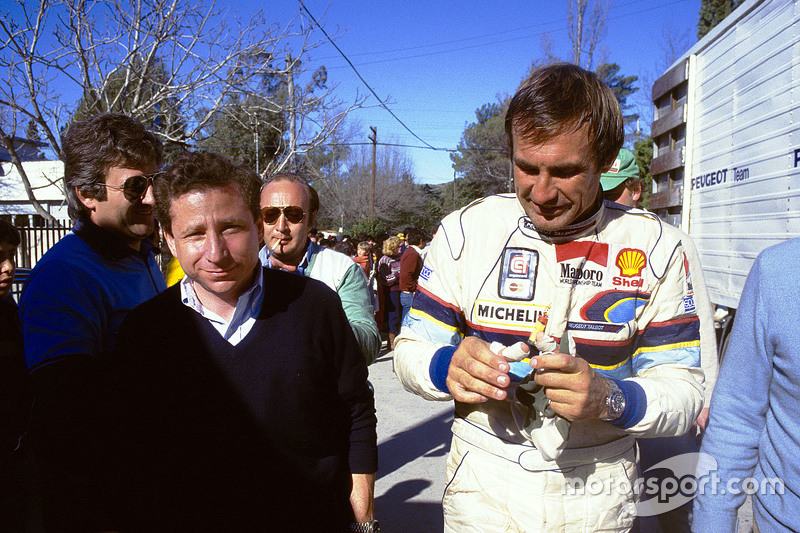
pixel 616 403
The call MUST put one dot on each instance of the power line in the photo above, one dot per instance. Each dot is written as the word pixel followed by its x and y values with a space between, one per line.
pixel 361 78
pixel 484 44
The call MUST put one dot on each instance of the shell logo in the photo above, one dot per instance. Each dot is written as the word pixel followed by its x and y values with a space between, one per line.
pixel 631 262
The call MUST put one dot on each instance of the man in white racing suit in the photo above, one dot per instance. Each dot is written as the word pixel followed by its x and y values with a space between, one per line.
pixel 555 451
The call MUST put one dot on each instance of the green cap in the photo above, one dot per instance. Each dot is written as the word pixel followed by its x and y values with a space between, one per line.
pixel 624 167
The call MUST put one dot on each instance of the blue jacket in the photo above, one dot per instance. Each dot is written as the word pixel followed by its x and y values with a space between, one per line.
pixel 754 425
pixel 78 294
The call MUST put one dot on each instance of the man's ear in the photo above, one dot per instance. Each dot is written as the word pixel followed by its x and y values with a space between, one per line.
pixel 88 202
pixel 312 219
pixel 260 227
pixel 636 192
pixel 170 242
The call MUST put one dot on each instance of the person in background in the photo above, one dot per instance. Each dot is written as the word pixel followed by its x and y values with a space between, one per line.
pixel 618 357
pixel 15 396
pixel 389 280
pixel 289 207
pixel 363 257
pixel 752 442
pixel 246 407
pixel 74 301
pixel 345 247
pixel 623 185
pixel 410 267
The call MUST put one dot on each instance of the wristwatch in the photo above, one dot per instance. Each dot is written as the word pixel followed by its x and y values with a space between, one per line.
pixel 366 527
pixel 615 402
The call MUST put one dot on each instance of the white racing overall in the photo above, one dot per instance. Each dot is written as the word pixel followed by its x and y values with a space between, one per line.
pixel 618 284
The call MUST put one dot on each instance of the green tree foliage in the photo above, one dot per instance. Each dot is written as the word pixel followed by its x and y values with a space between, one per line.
pixel 622 87
pixel 370 225
pixel 712 12
pixel 331 158
pixel 481 160
pixel 346 194
pixel 258 113
pixel 134 89
pixel 250 125
pixel 643 152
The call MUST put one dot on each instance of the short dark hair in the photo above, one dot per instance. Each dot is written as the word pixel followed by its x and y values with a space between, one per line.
pixel 9 234
pixel 415 236
pixel 561 98
pixel 201 171
pixel 313 197
pixel 94 145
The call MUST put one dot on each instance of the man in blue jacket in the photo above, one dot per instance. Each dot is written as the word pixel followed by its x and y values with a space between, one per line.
pixel 74 302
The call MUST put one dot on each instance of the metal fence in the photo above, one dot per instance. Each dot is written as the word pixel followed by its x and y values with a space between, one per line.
pixel 34 243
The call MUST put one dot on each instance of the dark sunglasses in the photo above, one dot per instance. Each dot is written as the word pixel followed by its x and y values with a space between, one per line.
pixel 293 213
pixel 135 187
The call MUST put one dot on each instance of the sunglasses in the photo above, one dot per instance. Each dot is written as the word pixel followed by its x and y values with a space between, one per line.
pixel 293 213
pixel 135 187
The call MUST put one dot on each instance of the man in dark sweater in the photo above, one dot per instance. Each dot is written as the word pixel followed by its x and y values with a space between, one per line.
pixel 242 392
pixel 410 268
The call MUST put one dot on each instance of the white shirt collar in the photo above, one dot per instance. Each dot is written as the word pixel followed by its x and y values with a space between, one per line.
pixel 247 308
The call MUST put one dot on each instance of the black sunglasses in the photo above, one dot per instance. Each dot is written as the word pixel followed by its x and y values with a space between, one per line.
pixel 293 213
pixel 135 187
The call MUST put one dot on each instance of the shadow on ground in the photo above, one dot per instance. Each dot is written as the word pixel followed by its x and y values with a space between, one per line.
pixel 430 438
pixel 398 515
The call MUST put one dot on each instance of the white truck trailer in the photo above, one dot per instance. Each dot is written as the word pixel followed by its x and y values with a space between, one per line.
pixel 726 135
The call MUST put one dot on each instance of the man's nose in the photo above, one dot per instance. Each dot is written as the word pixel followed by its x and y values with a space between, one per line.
pixel 149 198
pixel 282 225
pixel 544 189
pixel 7 266
pixel 215 248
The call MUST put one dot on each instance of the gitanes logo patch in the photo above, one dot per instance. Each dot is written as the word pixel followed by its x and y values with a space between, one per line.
pixel 519 264
pixel 518 274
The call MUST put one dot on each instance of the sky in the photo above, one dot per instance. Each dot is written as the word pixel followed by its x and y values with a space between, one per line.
pixel 435 62
pixel 438 61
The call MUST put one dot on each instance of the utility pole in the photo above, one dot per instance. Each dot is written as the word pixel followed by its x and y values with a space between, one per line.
pixel 255 134
pixel 292 117
pixel 374 139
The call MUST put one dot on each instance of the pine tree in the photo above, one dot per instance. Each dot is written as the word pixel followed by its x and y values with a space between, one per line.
pixel 712 12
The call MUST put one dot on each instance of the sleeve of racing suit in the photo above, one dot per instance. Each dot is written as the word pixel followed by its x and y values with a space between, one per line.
pixel 666 394
pixel 357 304
pixel 435 325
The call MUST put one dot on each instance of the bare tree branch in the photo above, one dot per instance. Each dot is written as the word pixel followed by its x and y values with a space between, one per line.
pixel 173 64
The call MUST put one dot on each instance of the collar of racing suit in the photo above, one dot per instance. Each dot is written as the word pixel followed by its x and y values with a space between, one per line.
pixel 577 229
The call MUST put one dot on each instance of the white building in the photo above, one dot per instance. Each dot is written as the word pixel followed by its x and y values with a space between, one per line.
pixel 47 181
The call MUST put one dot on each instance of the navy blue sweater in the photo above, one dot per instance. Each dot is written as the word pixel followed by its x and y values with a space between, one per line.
pixel 257 436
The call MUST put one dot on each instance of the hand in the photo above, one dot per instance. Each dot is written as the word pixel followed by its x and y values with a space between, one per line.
pixel 700 424
pixel 476 374
pixel 575 390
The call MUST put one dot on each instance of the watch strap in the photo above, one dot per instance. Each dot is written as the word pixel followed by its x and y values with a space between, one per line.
pixel 365 527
